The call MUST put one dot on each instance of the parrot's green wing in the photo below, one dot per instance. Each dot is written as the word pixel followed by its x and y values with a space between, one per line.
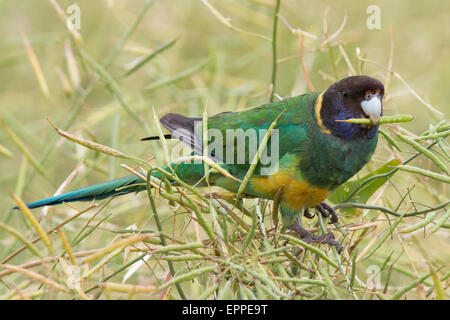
pixel 234 137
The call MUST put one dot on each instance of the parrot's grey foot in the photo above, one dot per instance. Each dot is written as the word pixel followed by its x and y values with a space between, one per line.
pixel 325 210
pixel 309 237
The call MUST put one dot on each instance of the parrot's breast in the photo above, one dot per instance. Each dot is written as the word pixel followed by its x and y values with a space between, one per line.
pixel 296 194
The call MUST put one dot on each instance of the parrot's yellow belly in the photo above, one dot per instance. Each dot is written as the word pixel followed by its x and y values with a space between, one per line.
pixel 295 195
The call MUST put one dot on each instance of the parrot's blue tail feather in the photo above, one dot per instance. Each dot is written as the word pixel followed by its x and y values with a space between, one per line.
pixel 99 191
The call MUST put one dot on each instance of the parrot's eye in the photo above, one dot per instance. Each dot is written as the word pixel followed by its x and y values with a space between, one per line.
pixel 345 93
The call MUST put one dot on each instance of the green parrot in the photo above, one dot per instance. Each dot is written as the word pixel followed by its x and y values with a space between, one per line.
pixel 311 153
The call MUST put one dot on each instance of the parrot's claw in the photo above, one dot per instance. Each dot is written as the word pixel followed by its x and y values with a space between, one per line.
pixel 325 210
pixel 308 214
pixel 309 237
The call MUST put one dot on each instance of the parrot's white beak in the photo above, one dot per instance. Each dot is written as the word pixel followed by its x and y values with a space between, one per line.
pixel 372 108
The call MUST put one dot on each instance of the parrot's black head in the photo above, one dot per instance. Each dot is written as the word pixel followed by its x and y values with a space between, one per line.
pixel 351 97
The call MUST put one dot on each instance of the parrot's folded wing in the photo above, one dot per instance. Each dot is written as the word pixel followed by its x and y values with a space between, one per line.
pixel 183 129
pixel 187 130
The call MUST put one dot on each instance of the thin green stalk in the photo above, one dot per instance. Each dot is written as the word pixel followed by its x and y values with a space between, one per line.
pixel 180 247
pixel 329 284
pixel 257 156
pixel 389 139
pixel 162 139
pixel 301 280
pixel 389 211
pixel 420 224
pixel 159 226
pixel 81 237
pixel 425 151
pixel 102 262
pixel 106 278
pixel 186 276
pixel 179 76
pixel 274 50
pixel 200 218
pixel 21 146
pixel 313 249
pixel 20 182
pixel 143 60
pixel 433 136
pixel 441 222
pixel 251 232
pixel 5 151
pixel 383 238
pixel 205 144
pixel 18 235
pixel 412 285
pixel 205 295
pixel 426 173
